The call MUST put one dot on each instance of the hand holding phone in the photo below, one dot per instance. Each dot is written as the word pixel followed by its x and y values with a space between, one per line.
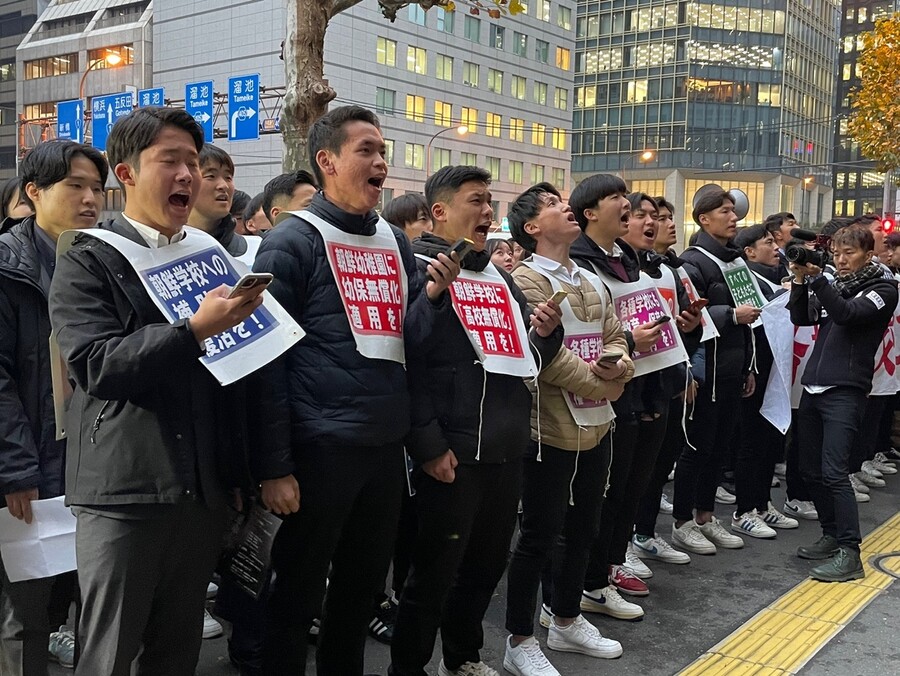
pixel 662 320
pixel 461 247
pixel 558 297
pixel 697 305
pixel 250 281
pixel 610 357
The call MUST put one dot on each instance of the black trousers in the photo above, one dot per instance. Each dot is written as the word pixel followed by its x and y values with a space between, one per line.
pixel 710 431
pixel 796 487
pixel 349 505
pixel 761 447
pixel 829 423
pixel 562 494
pixel 635 446
pixel 673 442
pixel 864 446
pixel 461 551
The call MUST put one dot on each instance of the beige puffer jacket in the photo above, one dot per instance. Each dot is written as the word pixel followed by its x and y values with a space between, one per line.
pixel 568 371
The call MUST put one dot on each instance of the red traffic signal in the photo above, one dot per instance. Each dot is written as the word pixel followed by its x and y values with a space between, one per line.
pixel 888 224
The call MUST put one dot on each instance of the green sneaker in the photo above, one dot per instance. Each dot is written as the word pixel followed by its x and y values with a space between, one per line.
pixel 843 567
pixel 823 548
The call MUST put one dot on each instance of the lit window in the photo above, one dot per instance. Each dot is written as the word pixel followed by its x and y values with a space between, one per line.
pixel 520 44
pixel 468 159
pixel 124 52
pixel 493 123
pixel 559 178
pixel 469 119
pixel 50 66
pixel 544 11
pixel 386 52
pixel 416 60
pixel 558 138
pixel 389 152
pixel 563 58
pixel 538 134
pixel 492 164
pixel 497 35
pixel 440 157
pixel 415 108
pixel 442 112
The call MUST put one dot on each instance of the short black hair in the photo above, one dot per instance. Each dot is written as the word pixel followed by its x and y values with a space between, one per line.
pixel 865 219
pixel 635 199
pixel 663 203
pixel 710 202
pixel 591 190
pixel 773 222
pixel 406 209
pixel 137 131
pixel 239 202
pixel 524 208
pixel 750 235
pixel 892 241
pixel 253 206
pixel 857 235
pixel 834 225
pixel 6 194
pixel 210 153
pixel 446 181
pixel 284 185
pixel 50 162
pixel 327 133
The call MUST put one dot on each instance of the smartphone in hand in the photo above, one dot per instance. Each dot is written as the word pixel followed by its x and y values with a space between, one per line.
pixel 610 357
pixel 250 281
pixel 558 297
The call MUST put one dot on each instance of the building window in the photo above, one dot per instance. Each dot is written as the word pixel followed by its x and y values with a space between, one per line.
pixel 559 178
pixel 561 98
pixel 492 124
pixel 416 14
pixel 468 159
pixel 495 81
pixel 470 73
pixel 389 152
pixel 116 16
pixel 517 90
pixel 7 71
pixel 515 172
pixel 416 60
pixel 440 157
pixel 564 18
pixel 541 51
pixel 538 134
pixel 520 44
pixel 386 52
pixel 39 111
pixel 472 28
pixel 444 67
pixel 415 108
pixel 49 66
pixel 492 164
pixel 563 58
pixel 544 11
pixel 415 156
pixel 387 194
pixel 558 138
pixel 497 35
pixel 124 52
pixel 537 173
pixel 442 114
pixel 516 129
pixel 385 101
pixel 540 93
pixel 445 20
pixel 469 119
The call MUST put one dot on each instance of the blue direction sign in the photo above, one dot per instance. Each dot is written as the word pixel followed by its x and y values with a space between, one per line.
pixel 105 110
pixel 198 101
pixel 70 120
pixel 243 108
pixel 151 97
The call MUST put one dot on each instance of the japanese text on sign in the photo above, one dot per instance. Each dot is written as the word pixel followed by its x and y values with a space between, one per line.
pixel 486 311
pixel 641 307
pixel 151 97
pixel 743 291
pixel 371 287
pixel 182 284
pixel 589 347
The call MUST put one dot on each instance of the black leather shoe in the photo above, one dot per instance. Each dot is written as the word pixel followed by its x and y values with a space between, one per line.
pixel 824 548
pixel 843 567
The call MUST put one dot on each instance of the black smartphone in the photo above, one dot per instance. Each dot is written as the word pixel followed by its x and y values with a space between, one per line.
pixel 461 247
pixel 662 320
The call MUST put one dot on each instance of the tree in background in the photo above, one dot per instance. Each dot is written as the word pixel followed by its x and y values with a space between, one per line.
pixel 307 92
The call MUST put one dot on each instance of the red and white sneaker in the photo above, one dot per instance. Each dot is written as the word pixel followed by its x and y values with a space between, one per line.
pixel 626 582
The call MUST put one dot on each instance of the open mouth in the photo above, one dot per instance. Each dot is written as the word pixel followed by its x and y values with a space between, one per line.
pixel 376 181
pixel 649 234
pixel 483 229
pixel 571 217
pixel 179 200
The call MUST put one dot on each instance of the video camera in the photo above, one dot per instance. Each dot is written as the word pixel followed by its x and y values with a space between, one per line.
pixel 801 255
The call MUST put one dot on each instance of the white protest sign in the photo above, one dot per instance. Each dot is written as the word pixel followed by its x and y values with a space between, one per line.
pixel 43 548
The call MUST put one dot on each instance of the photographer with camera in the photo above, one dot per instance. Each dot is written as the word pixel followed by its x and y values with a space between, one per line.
pixel 852 314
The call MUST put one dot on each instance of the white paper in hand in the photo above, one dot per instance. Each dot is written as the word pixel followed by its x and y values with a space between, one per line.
pixel 43 548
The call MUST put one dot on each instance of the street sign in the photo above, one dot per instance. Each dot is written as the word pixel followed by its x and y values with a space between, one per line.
pixel 105 110
pixel 243 108
pixel 198 101
pixel 151 97
pixel 70 120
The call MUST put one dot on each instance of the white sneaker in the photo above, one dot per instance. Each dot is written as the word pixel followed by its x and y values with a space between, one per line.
pixel 526 659
pixel 775 519
pixel 582 637
pixel 635 566
pixel 881 464
pixel 608 601
pixel 723 497
pixel 858 485
pixel 861 497
pixel 885 460
pixel 869 468
pixel 657 549
pixel 691 538
pixel 870 480
pixel 470 669
pixel 781 470
pixel 750 524
pixel 546 616
pixel 665 507
pixel 211 628
pixel 211 590
pixel 803 509
pixel 714 532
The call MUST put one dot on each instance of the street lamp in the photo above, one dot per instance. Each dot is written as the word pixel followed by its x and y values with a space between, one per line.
pixel 807 181
pixel 643 157
pixel 111 59
pixel 462 130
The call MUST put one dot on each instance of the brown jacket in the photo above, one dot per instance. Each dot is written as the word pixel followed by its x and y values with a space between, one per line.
pixel 568 371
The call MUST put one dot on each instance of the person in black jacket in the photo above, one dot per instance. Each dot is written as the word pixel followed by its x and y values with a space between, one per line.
pixel 852 314
pixel 470 428
pixel 330 449
pixel 728 378
pixel 153 435
pixel 63 181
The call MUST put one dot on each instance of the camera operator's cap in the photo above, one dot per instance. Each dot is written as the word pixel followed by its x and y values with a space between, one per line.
pixel 739 197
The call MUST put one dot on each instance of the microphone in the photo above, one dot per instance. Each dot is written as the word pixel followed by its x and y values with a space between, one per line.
pixel 805 235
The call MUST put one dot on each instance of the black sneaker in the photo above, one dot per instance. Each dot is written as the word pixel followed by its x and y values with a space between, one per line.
pixel 823 548
pixel 892 454
pixel 381 628
pixel 843 567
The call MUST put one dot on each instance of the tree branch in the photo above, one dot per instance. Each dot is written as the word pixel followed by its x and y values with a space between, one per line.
pixel 339 6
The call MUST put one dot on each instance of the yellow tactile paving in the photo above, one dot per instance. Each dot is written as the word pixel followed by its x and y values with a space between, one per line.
pixel 780 639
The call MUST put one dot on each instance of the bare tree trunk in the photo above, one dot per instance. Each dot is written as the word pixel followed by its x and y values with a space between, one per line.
pixel 307 93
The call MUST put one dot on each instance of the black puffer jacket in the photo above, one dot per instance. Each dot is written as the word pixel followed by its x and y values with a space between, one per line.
pixel 225 235
pixel 447 384
pixel 30 456
pixel 728 357
pixel 323 392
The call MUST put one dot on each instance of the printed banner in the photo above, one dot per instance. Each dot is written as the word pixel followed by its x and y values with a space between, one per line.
pixel 740 282
pixel 709 327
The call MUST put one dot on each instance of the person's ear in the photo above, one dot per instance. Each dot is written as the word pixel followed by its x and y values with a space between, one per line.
pixel 33 193
pixel 439 212
pixel 125 173
pixel 325 162
pixel 532 228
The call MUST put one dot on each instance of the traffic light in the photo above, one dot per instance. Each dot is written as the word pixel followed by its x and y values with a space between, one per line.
pixel 888 224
